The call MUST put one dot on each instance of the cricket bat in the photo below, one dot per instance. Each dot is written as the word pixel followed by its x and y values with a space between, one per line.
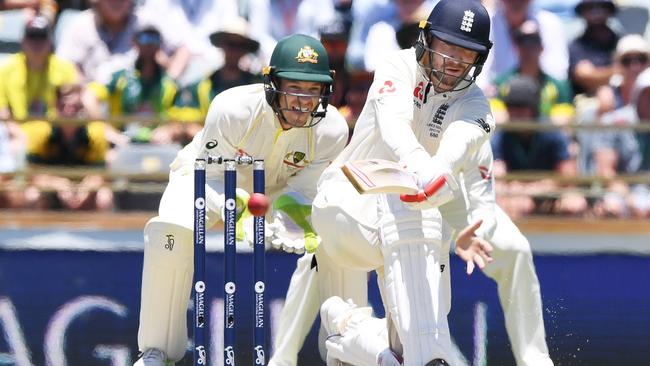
pixel 385 176
pixel 380 176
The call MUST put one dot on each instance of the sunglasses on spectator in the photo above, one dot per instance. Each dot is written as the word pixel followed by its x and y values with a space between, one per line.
pixel 594 6
pixel 36 36
pixel 629 59
pixel 146 38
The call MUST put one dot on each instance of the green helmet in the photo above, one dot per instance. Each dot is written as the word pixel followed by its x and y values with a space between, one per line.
pixel 300 58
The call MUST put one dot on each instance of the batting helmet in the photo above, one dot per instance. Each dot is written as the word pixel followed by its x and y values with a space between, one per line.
pixel 301 58
pixel 463 23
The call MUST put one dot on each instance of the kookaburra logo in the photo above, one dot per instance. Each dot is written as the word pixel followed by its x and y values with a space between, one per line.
pixel 468 21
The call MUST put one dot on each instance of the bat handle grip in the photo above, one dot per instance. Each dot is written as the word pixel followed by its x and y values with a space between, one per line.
pixel 428 191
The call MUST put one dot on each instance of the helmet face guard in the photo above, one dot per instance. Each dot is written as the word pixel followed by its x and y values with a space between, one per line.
pixel 274 96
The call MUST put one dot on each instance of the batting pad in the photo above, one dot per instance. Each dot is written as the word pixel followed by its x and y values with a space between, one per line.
pixel 335 280
pixel 417 303
pixel 166 282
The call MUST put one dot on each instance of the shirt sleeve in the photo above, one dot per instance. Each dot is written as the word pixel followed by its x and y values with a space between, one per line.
pixel 391 95
pixel 561 150
pixel 481 196
pixel 472 125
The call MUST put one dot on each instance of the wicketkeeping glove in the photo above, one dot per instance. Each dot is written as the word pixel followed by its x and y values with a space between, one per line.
pixel 291 226
pixel 241 212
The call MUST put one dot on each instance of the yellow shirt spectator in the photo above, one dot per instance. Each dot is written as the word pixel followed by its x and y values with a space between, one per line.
pixel 33 93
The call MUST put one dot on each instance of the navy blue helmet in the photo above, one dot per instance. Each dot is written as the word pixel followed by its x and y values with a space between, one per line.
pixel 463 23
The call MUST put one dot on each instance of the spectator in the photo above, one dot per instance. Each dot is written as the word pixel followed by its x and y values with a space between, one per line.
pixel 99 41
pixel 509 16
pixel 532 151
pixel 630 59
pixel 46 8
pixel 355 97
pixel 191 102
pixel 274 20
pixel 68 144
pixel 611 151
pixel 74 4
pixel 315 15
pixel 590 55
pixel 235 42
pixel 28 79
pixel 409 31
pixel 555 102
pixel 382 36
pixel 335 37
pixel 639 200
pixel 143 89
pixel 189 24
pixel 386 16
pixel 12 153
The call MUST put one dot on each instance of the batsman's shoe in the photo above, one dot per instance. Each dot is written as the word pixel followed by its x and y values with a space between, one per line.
pixel 152 357
pixel 388 358
pixel 336 314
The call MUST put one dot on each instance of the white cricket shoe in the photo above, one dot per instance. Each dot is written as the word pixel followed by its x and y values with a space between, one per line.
pixel 388 358
pixel 152 357
pixel 337 316
pixel 332 313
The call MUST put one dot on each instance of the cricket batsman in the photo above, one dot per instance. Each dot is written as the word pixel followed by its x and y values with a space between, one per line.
pixel 287 122
pixel 424 111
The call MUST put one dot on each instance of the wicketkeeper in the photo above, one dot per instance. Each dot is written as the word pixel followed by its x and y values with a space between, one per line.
pixel 287 122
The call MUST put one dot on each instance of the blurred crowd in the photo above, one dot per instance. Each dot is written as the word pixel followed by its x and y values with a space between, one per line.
pixel 143 72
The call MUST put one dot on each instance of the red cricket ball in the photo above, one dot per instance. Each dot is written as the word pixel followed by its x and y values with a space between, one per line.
pixel 258 204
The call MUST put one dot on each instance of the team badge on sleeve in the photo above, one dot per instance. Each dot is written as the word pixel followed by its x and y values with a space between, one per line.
pixel 296 159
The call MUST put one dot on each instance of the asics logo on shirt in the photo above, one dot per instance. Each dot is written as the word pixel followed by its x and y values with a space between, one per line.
pixel 484 125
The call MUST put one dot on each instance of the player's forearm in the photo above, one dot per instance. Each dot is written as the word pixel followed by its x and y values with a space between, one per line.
pixel 459 141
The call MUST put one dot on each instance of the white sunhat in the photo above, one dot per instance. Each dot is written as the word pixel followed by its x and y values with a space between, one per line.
pixel 632 43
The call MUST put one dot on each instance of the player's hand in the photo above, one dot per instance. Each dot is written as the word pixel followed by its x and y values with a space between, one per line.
pixel 472 249
pixel 241 212
pixel 291 226
pixel 247 226
pixel 435 194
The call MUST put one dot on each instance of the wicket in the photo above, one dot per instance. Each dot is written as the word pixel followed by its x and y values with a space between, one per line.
pixel 230 253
